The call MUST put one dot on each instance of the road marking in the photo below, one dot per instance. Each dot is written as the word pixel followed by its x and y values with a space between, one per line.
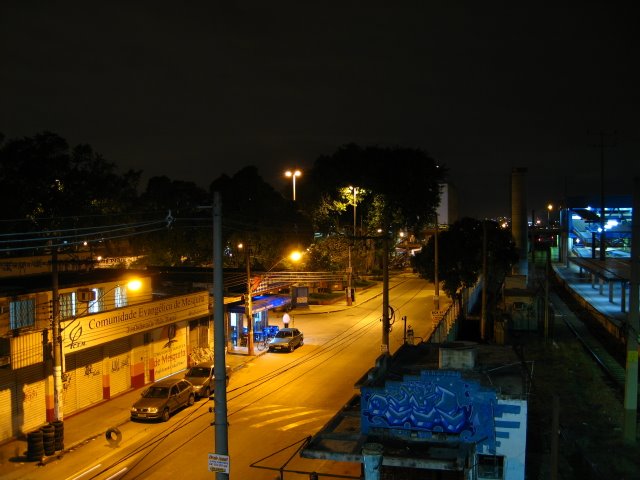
pixel 302 422
pixel 264 413
pixel 282 419
pixel 87 471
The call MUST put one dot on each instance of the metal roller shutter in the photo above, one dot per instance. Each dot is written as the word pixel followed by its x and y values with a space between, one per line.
pixel 119 366
pixel 8 410
pixel 32 402
pixel 84 372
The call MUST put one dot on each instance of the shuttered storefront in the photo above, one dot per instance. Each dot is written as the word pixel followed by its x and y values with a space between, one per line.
pixel 118 364
pixel 32 402
pixel 8 406
pixel 82 380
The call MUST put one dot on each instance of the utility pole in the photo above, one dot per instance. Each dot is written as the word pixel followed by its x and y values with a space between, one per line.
pixel 603 235
pixel 385 293
pixel 219 366
pixel 56 341
pixel 436 281
pixel 631 380
pixel 485 283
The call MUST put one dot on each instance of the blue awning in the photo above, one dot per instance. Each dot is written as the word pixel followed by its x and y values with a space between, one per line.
pixel 261 303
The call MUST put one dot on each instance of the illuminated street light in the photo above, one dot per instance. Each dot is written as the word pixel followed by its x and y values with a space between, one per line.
pixel 549 208
pixel 293 256
pixel 293 174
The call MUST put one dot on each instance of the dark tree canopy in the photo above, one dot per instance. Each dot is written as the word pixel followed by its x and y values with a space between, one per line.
pixel 42 178
pixel 255 214
pixel 460 254
pixel 400 187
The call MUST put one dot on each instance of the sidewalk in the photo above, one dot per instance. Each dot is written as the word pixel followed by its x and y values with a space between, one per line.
pixel 93 422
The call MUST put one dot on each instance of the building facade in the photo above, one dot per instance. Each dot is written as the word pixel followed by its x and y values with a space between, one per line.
pixel 112 338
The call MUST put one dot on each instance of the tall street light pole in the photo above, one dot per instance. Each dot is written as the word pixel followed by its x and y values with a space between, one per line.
pixel 354 191
pixel 293 174
pixel 248 305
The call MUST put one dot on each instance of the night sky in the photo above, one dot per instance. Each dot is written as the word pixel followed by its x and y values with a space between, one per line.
pixel 192 90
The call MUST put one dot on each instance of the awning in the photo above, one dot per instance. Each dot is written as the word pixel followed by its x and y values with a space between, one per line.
pixel 261 303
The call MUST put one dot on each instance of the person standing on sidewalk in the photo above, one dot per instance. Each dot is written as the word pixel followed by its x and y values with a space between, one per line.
pixel 286 319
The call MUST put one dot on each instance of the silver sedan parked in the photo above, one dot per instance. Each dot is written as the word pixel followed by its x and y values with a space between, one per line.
pixel 163 398
pixel 287 339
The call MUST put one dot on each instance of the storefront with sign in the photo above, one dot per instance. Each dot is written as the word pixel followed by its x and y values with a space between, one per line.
pixel 260 308
pixel 107 353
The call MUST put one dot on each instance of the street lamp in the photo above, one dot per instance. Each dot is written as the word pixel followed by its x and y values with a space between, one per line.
pixel 549 208
pixel 294 256
pixel 354 190
pixel 293 174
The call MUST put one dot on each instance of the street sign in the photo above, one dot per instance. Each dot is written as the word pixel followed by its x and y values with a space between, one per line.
pixel 218 463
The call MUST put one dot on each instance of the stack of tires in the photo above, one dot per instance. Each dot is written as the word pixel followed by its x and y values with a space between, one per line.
pixel 45 441
pixel 58 426
pixel 35 446
pixel 49 439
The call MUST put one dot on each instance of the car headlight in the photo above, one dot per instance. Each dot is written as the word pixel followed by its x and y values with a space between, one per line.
pixel 153 410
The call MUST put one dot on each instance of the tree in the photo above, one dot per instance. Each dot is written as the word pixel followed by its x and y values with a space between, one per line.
pixel 42 178
pixel 254 214
pixel 46 187
pixel 460 255
pixel 397 188
pixel 188 241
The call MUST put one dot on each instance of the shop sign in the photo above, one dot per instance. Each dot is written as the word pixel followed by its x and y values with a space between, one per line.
pixel 96 329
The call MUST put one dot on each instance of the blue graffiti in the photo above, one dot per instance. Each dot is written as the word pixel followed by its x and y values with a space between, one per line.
pixel 441 403
pixel 437 410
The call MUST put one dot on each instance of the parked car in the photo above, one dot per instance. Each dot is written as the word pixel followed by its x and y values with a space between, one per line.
pixel 202 378
pixel 163 398
pixel 287 339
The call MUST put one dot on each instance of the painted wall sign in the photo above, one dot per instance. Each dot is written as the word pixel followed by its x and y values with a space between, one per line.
pixel 92 330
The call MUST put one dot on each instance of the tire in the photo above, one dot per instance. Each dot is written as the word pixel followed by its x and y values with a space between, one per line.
pixel 166 415
pixel 301 343
pixel 206 393
pixel 191 401
pixel 291 348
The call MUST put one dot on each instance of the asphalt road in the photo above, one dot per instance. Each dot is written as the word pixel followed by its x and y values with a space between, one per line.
pixel 273 403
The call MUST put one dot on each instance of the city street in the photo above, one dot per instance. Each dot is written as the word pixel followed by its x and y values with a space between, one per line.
pixel 274 402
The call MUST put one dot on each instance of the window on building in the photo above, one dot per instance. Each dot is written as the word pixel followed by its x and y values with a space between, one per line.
pixel 22 313
pixel 97 305
pixel 490 467
pixel 121 296
pixel 67 305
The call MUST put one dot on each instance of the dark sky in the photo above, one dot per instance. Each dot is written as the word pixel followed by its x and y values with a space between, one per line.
pixel 196 89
